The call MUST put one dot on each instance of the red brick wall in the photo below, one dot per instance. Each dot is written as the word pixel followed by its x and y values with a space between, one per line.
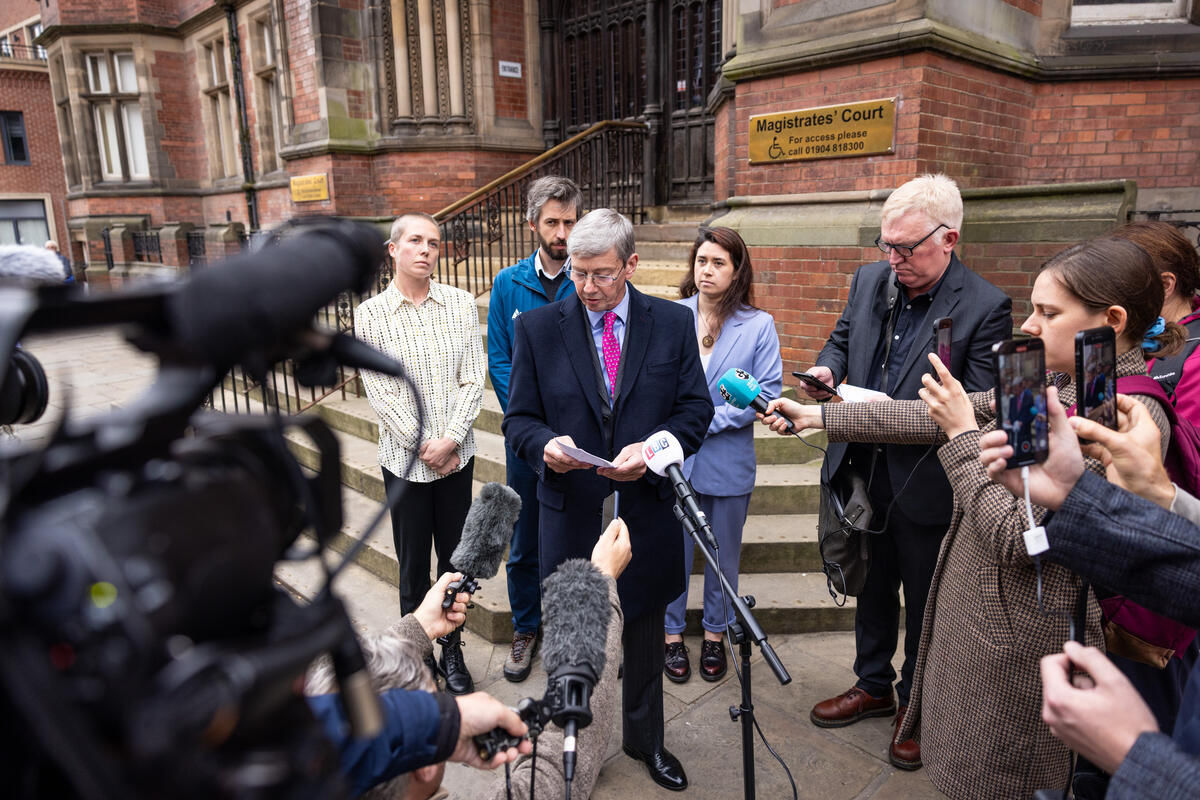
pixel 15 12
pixel 1031 6
pixel 29 93
pixel 982 128
pixel 306 106
pixel 180 132
pixel 508 44
pixel 1148 130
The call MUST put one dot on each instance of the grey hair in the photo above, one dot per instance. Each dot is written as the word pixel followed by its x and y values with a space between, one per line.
pixel 552 187
pixel 401 223
pixel 599 231
pixel 393 662
pixel 935 196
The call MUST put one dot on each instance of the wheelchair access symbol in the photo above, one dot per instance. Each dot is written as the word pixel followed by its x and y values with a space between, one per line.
pixel 775 151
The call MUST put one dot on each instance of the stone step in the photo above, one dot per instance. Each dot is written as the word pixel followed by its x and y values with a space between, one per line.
pixel 683 231
pixel 354 415
pixel 780 488
pixel 790 600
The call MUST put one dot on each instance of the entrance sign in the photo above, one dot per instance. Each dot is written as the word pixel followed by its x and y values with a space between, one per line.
pixel 851 129
pixel 307 188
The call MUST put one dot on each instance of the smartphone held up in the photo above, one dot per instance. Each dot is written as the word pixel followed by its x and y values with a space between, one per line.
pixel 1019 370
pixel 1096 375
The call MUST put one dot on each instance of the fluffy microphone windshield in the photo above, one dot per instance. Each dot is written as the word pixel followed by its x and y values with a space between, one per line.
pixel 486 530
pixel 30 264
pixel 576 613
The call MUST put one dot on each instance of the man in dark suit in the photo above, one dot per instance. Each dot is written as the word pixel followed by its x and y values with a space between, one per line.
pixel 880 342
pixel 610 367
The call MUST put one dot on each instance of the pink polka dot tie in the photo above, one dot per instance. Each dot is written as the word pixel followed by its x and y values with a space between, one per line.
pixel 612 351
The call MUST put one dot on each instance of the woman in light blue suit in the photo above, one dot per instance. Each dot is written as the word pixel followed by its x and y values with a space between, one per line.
pixel 731 332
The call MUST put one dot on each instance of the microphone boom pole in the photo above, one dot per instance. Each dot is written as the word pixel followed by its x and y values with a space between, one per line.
pixel 745 712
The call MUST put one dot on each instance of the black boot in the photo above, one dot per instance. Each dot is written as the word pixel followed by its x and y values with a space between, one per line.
pixel 458 679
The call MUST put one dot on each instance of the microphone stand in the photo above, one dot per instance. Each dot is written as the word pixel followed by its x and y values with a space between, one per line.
pixel 738 631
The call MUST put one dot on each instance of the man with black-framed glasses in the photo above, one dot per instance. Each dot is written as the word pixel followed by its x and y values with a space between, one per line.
pixel 602 370
pixel 880 342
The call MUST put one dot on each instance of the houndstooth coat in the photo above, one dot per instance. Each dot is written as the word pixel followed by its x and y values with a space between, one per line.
pixel 976 697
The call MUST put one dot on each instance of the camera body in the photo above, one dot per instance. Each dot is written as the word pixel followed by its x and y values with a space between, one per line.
pixel 145 650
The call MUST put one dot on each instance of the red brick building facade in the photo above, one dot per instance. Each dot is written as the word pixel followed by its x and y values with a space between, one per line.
pixel 190 119
pixel 32 188
pixel 1057 120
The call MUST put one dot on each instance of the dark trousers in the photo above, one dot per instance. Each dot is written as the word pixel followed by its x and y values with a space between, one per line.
pixel 427 512
pixel 642 687
pixel 906 553
pixel 524 581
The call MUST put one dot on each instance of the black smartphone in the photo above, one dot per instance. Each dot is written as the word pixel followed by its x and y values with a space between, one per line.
pixel 1019 369
pixel 942 328
pixel 815 383
pixel 1096 375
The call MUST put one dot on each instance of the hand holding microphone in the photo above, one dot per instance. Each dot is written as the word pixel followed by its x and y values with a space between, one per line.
pixel 741 390
pixel 486 531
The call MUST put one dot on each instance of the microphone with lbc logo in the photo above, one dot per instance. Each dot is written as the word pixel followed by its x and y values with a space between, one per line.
pixel 664 456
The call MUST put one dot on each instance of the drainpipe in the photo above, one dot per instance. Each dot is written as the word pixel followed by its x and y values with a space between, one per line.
pixel 239 91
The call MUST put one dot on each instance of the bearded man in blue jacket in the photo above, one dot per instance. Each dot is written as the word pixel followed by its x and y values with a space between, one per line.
pixel 554 205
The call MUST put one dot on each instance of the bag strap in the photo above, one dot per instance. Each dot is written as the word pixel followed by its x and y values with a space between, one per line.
pixel 1168 371
pixel 1145 385
pixel 893 293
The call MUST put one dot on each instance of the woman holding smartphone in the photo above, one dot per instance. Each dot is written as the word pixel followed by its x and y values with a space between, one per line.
pixel 731 332
pixel 991 613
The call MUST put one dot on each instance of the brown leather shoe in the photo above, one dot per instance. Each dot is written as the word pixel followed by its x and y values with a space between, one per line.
pixel 906 754
pixel 849 707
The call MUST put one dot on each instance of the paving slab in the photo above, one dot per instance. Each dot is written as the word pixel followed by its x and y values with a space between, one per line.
pixel 846 763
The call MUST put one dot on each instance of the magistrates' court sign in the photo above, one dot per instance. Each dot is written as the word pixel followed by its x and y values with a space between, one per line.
pixel 854 129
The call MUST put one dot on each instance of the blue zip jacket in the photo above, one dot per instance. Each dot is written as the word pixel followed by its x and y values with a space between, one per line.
pixel 515 290
pixel 420 728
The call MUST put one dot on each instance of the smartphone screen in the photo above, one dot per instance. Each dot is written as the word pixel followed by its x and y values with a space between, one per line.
pixel 942 329
pixel 1096 373
pixel 1019 368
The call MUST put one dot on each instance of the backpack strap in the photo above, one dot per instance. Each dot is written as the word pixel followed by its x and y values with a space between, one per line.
pixel 1167 371
pixel 1145 385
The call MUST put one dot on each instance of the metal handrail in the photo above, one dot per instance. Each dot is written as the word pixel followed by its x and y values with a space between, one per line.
pixel 486 230
pixel 481 233
pixel 537 161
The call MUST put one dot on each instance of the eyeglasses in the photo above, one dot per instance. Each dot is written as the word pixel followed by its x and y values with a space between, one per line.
pixel 581 278
pixel 905 250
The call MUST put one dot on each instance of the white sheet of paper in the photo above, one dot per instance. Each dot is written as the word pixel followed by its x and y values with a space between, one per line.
pixel 857 394
pixel 584 456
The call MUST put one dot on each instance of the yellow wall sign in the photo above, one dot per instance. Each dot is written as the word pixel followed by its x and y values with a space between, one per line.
pixel 307 188
pixel 853 129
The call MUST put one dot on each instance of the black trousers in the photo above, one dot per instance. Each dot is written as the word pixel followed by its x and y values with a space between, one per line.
pixel 642 685
pixel 428 513
pixel 905 554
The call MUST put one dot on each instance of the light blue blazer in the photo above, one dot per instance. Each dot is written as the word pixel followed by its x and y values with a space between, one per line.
pixel 725 465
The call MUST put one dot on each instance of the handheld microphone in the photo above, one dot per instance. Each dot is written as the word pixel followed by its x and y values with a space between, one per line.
pixel 575 599
pixel 29 264
pixel 664 456
pixel 486 530
pixel 741 390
